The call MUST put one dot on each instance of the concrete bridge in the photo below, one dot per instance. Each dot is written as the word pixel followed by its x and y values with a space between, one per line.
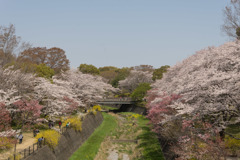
pixel 116 101
pixel 122 105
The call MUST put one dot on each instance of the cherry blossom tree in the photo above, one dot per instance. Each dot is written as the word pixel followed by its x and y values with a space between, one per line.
pixel 9 133
pixel 84 89
pixel 207 83
pixel 51 95
pixel 89 87
pixel 14 85
pixel 72 105
pixel 134 79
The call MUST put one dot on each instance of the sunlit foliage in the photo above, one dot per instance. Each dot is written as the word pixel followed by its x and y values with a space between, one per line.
pixel 75 123
pixel 51 137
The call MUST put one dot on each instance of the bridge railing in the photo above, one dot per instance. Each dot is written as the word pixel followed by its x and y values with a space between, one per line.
pixel 20 155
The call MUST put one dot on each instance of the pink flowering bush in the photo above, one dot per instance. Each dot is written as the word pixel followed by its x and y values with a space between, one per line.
pixel 27 111
pixel 160 111
pixel 5 118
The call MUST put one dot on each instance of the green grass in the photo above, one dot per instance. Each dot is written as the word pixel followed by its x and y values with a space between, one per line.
pixel 108 108
pixel 89 149
pixel 233 129
pixel 149 142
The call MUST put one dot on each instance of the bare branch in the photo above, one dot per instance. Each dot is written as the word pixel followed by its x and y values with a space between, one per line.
pixel 231 19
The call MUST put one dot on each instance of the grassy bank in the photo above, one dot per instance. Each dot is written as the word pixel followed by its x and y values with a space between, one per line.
pixel 90 147
pixel 148 141
pixel 108 108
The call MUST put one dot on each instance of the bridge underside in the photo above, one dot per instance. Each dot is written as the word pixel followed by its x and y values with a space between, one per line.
pixel 126 108
pixel 114 103
pixel 123 105
pixel 131 108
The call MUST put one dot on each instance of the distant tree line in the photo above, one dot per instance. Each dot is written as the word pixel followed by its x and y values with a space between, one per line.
pixel 133 81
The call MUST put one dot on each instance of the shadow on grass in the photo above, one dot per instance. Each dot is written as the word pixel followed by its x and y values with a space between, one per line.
pixel 149 143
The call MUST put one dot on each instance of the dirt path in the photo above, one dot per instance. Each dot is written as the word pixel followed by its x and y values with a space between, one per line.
pixel 28 140
pixel 119 145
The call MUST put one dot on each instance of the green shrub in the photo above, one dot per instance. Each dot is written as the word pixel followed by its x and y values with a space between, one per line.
pixel 123 93
pixel 232 144
pixel 107 68
pixel 88 69
pixel 121 75
pixel 140 92
pixel 158 73
pixel 41 126
pixel 44 71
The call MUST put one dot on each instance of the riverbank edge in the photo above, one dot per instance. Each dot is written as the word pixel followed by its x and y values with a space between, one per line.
pixel 70 140
pixel 91 146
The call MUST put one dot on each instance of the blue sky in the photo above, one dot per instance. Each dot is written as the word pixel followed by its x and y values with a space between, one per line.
pixel 120 33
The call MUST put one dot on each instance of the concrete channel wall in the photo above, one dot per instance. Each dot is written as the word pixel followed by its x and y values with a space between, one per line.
pixel 70 140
